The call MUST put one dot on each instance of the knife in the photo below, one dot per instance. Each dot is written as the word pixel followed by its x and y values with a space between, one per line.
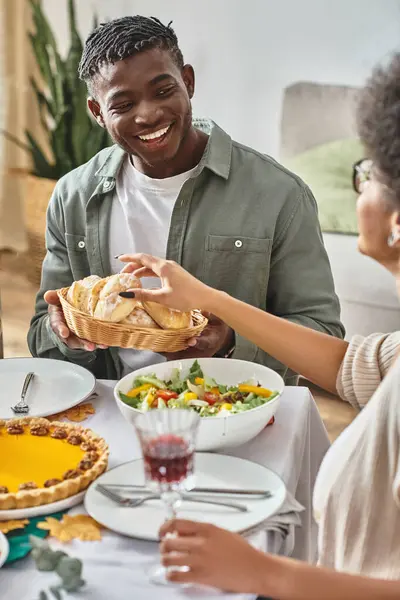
pixel 199 490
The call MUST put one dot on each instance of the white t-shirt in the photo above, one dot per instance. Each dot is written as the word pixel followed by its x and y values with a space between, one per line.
pixel 140 222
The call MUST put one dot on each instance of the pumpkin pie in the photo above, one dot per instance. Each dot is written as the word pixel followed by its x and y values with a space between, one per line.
pixel 44 462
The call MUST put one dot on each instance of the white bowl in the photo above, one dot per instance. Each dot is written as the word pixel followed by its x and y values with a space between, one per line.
pixel 216 433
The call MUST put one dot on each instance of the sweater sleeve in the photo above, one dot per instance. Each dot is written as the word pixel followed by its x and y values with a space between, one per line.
pixel 365 364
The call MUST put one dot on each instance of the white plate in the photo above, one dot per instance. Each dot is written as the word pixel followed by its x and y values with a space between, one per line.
pixel 57 385
pixel 45 509
pixel 212 470
pixel 4 549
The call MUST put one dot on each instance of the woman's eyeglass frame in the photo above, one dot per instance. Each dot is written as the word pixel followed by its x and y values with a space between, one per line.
pixel 361 173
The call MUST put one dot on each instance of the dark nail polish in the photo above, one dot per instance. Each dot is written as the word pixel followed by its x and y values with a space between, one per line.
pixel 127 294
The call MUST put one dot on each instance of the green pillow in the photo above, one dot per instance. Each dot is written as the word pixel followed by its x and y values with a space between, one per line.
pixel 327 170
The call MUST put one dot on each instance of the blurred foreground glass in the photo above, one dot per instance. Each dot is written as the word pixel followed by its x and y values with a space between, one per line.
pixel 168 438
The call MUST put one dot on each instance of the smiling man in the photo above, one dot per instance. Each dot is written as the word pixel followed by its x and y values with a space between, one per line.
pixel 178 188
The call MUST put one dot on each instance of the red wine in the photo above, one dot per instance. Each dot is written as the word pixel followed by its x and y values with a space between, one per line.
pixel 168 459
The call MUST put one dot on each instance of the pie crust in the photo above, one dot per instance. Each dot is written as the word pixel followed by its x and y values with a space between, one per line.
pixel 73 455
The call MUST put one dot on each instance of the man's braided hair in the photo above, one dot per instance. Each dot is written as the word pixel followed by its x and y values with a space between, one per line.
pixel 122 38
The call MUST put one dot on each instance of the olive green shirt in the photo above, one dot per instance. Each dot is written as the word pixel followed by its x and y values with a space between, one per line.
pixel 242 224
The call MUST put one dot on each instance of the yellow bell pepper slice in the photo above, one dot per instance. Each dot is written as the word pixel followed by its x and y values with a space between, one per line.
pixel 215 391
pixel 253 389
pixel 150 399
pixel 136 391
pixel 226 406
pixel 199 381
pixel 190 396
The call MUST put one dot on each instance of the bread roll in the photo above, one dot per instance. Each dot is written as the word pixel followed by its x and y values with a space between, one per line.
pixel 113 308
pixel 79 292
pixel 121 282
pixel 168 318
pixel 140 318
pixel 94 294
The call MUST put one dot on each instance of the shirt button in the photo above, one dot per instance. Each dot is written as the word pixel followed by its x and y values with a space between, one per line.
pixel 107 185
pixel 81 244
pixel 238 243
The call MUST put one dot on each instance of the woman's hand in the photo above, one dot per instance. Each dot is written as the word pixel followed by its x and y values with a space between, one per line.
pixel 215 557
pixel 178 290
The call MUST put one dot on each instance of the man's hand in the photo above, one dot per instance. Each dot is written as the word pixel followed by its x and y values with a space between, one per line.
pixel 215 337
pixel 60 328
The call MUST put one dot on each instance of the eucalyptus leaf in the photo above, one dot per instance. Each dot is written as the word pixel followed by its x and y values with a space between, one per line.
pixel 69 567
pixel 43 596
pixel 74 584
pixel 56 592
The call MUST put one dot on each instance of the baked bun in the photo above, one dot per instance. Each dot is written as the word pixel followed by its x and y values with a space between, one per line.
pixel 113 308
pixel 121 282
pixel 140 318
pixel 168 318
pixel 79 292
pixel 94 294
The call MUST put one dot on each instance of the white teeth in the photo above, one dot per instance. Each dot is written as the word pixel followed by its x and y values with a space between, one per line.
pixel 156 134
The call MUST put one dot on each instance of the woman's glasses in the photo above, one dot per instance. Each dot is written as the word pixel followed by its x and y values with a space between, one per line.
pixel 361 174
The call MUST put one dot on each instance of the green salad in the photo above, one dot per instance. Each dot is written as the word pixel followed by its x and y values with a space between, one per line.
pixel 196 392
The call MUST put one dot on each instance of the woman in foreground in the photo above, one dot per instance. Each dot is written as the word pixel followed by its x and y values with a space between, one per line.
pixel 357 493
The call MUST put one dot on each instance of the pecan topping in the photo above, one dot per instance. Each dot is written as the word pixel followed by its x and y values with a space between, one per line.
pixel 51 482
pixel 75 439
pixel 93 456
pixel 88 446
pixel 71 474
pixel 2 423
pixel 3 489
pixel 85 464
pixel 39 429
pixel 29 485
pixel 59 433
pixel 15 429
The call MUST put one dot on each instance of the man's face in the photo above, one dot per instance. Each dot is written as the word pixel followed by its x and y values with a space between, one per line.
pixel 144 102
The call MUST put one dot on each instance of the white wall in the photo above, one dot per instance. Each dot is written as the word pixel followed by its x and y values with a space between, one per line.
pixel 246 51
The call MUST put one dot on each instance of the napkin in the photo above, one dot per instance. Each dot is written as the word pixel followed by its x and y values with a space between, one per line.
pixel 19 539
pixel 280 528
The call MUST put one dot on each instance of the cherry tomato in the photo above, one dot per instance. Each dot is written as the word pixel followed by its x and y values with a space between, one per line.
pixel 211 398
pixel 166 395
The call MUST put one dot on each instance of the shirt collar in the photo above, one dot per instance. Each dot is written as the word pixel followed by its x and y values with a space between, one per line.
pixel 216 157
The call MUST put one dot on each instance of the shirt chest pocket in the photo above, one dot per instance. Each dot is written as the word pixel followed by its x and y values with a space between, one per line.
pixel 76 246
pixel 239 266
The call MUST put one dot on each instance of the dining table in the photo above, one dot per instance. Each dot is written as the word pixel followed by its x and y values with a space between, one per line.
pixel 117 566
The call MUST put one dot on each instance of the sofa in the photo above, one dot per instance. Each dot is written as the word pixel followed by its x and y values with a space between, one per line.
pixel 314 115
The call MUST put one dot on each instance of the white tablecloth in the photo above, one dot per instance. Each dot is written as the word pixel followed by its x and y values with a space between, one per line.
pixel 116 567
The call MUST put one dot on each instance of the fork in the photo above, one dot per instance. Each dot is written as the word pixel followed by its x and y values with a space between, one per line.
pixel 130 503
pixel 21 407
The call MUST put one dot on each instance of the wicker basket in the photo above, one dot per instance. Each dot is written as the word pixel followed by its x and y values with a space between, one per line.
pixel 128 336
pixel 37 195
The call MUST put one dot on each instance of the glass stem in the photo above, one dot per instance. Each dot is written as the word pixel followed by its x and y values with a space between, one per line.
pixel 172 501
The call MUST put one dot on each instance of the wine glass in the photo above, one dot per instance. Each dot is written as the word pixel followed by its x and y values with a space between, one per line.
pixel 167 438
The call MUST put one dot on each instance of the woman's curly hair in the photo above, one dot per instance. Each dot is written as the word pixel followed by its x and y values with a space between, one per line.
pixel 378 119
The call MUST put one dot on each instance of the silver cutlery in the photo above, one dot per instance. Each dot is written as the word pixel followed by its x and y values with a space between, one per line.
pixel 133 503
pixel 21 407
pixel 259 494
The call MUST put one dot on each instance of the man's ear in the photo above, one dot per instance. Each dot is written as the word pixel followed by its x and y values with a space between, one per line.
pixel 95 109
pixel 188 79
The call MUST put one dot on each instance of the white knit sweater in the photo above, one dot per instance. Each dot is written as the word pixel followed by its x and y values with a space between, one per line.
pixel 357 493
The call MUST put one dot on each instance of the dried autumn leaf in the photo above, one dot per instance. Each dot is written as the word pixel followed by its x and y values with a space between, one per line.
pixel 80 527
pixel 7 526
pixel 80 413
pixel 77 414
